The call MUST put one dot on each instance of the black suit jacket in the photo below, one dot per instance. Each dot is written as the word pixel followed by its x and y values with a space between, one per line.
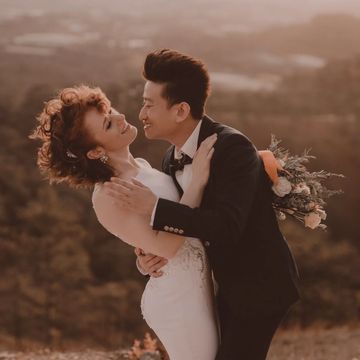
pixel 250 258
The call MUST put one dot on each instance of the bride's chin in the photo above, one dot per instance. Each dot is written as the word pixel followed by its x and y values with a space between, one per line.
pixel 134 132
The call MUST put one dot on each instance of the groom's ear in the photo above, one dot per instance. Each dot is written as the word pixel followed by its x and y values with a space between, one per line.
pixel 182 112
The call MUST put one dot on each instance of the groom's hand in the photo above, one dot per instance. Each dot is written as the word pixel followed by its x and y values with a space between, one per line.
pixel 150 264
pixel 133 196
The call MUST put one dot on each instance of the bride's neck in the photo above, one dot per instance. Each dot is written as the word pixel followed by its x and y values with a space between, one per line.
pixel 124 164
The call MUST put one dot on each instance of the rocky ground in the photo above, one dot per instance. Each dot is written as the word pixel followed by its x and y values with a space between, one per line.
pixel 314 344
pixel 332 344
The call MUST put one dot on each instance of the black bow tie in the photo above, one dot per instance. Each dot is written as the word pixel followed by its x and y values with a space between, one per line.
pixel 178 164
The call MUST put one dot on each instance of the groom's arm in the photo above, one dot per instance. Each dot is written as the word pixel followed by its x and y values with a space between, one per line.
pixel 234 180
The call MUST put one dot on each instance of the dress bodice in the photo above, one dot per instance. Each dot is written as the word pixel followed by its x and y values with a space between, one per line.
pixel 170 301
pixel 191 254
pixel 160 183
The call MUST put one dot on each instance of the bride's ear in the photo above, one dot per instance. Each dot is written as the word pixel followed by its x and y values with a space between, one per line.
pixel 95 153
pixel 183 111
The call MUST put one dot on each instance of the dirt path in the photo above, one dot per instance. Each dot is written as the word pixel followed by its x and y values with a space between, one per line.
pixel 332 344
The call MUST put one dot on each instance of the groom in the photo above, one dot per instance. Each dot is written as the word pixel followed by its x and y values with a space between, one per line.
pixel 251 261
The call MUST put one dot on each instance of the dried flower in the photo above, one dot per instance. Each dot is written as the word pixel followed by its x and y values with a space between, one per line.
pixel 310 206
pixel 301 189
pixel 150 350
pixel 321 213
pixel 312 220
pixel 281 216
pixel 283 187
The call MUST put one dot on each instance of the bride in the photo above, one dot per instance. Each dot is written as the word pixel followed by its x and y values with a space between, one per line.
pixel 85 142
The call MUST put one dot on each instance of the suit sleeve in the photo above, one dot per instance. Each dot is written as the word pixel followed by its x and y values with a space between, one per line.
pixel 233 183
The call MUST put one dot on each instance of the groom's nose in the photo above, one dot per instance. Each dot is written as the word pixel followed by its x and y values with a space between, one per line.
pixel 142 114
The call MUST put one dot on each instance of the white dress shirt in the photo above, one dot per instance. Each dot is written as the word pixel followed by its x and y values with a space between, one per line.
pixel 183 177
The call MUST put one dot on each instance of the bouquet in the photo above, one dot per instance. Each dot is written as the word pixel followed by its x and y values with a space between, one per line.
pixel 298 192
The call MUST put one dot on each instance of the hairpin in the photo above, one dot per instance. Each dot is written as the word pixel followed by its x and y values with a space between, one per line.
pixel 70 154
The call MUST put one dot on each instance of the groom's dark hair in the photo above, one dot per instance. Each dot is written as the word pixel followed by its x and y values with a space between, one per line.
pixel 185 78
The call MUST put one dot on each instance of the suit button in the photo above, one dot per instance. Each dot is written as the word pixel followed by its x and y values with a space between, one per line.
pixel 166 228
pixel 171 229
pixel 181 231
pixel 176 230
pixel 206 243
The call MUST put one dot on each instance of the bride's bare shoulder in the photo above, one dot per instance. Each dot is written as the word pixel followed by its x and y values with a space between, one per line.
pixel 115 219
pixel 101 201
pixel 98 192
pixel 107 212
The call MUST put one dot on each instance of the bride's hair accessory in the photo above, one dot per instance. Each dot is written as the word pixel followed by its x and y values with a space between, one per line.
pixel 104 159
pixel 299 192
pixel 71 154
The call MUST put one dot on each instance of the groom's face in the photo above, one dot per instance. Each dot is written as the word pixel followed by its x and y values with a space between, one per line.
pixel 158 118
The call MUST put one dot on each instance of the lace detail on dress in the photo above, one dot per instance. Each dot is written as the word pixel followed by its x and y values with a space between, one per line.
pixel 190 259
pixel 191 256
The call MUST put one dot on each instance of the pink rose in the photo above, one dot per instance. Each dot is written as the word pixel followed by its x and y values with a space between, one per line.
pixel 283 187
pixel 312 220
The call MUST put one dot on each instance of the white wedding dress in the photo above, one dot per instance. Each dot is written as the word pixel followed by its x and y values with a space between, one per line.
pixel 178 306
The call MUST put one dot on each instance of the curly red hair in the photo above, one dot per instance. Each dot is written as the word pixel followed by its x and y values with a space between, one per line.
pixel 65 142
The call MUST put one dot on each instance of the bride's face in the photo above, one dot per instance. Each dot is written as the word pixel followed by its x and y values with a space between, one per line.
pixel 110 131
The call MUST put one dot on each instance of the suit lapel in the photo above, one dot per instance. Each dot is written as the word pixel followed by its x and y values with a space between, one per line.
pixel 169 155
pixel 208 127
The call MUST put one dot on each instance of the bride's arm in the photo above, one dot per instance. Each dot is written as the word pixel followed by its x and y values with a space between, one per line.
pixel 134 229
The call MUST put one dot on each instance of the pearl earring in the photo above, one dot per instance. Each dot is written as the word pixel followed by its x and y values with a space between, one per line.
pixel 104 158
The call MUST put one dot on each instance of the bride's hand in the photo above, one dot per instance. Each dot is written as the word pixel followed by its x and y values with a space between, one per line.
pixel 201 161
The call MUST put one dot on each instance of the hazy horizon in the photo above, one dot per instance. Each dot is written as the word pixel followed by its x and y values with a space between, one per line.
pixel 234 15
